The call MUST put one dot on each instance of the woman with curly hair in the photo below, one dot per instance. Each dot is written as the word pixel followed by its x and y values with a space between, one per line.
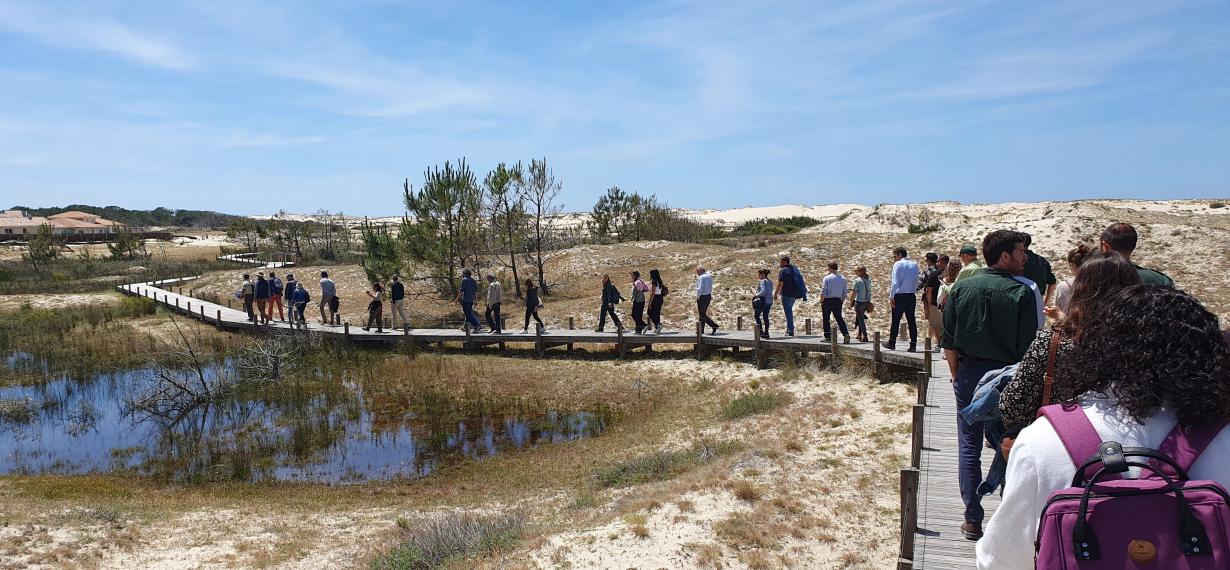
pixel 1100 276
pixel 1150 357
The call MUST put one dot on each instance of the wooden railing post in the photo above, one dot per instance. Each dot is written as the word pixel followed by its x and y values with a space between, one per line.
pixel 700 339
pixel 909 517
pixel 466 328
pixel 739 323
pixel 571 326
pixel 807 325
pixel 346 329
pixel 927 363
pixel 924 384
pixel 916 442
pixel 623 348
pixel 876 357
pixel 833 352
pixel 538 346
pixel 758 351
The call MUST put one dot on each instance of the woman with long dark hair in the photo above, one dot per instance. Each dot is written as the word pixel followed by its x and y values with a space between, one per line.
pixel 1100 276
pixel 657 294
pixel 1146 359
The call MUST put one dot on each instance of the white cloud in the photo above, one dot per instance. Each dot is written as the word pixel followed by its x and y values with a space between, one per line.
pixel 70 29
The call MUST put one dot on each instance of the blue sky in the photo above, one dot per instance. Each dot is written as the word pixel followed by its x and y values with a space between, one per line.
pixel 251 107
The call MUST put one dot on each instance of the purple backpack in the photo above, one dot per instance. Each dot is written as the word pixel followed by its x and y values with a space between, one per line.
pixel 1163 520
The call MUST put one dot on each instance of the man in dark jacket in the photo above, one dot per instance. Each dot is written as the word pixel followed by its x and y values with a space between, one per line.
pixel 1122 238
pixel 990 319
pixel 397 294
pixel 263 293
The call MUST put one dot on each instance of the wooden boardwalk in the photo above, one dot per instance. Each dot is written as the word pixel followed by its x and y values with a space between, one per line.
pixel 170 293
pixel 938 540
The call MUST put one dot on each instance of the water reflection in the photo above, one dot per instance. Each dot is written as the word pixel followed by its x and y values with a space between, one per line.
pixel 327 428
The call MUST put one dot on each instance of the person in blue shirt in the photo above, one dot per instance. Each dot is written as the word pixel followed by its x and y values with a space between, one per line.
pixel 901 295
pixel 762 301
pixel 468 295
pixel 300 298
pixel 833 292
pixel 787 291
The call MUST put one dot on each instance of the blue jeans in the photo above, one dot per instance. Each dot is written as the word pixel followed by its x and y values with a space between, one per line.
pixel 970 435
pixel 762 311
pixel 467 307
pixel 788 308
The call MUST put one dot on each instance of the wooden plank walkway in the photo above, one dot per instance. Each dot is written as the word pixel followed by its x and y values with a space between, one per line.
pixel 939 543
pixel 165 293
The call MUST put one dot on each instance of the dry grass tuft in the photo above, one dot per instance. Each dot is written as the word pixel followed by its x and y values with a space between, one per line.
pixel 745 490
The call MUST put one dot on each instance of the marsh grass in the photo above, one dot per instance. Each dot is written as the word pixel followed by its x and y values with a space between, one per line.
pixel 757 402
pixel 663 465
pixel 70 274
pixel 449 540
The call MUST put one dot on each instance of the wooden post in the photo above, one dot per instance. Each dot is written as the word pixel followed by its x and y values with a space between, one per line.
pixel 177 304
pixel 538 347
pixel 833 352
pixel 219 318
pixel 405 329
pixel 189 307
pixel 466 328
pixel 571 326
pixel 443 323
pixel 927 363
pixel 202 312
pixel 346 329
pixel 807 325
pixel 388 322
pixel 876 357
pixel 916 443
pixel 757 350
pixel 909 517
pixel 623 348
pixel 905 330
pixel 739 323
pixel 924 384
pixel 700 331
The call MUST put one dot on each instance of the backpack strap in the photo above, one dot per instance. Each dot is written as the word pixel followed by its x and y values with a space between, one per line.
pixel 1076 432
pixel 1048 384
pixel 1184 445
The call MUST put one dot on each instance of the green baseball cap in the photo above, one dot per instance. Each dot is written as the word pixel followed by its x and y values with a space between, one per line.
pixel 968 250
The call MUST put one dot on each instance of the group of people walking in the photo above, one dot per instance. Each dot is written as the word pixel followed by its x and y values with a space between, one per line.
pixel 262 296
pixel 1125 357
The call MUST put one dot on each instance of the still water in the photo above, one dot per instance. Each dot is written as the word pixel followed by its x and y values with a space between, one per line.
pixel 329 428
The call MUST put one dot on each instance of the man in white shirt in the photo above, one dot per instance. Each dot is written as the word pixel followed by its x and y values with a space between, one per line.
pixel 833 291
pixel 704 296
pixel 902 297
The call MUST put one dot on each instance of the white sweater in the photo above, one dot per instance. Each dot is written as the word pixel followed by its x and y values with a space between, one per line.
pixel 1039 465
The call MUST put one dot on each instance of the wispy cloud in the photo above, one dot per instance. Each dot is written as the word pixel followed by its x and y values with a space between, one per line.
pixel 69 29
pixel 244 139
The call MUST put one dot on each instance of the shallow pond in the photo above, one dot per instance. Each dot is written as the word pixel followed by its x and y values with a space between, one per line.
pixel 325 429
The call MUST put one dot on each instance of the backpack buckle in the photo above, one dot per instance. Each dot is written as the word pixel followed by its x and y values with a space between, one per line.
pixel 1113 460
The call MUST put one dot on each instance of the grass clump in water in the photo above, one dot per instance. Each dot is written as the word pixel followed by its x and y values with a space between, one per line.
pixel 662 465
pixel 440 541
pixel 757 402
pixel 17 410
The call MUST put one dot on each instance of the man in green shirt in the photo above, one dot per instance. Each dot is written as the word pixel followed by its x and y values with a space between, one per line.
pixel 989 321
pixel 1038 270
pixel 970 266
pixel 1122 238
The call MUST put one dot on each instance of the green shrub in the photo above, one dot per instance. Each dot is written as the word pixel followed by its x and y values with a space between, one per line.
pixel 773 226
pixel 662 465
pixel 1217 204
pixel 757 402
pixel 437 541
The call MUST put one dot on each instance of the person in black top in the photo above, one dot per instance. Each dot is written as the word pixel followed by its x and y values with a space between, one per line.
pixel 262 297
pixel 657 294
pixel 532 305
pixel 397 294
pixel 610 297
pixel 931 292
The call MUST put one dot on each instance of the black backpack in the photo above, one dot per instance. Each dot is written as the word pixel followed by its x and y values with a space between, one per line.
pixel 665 290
